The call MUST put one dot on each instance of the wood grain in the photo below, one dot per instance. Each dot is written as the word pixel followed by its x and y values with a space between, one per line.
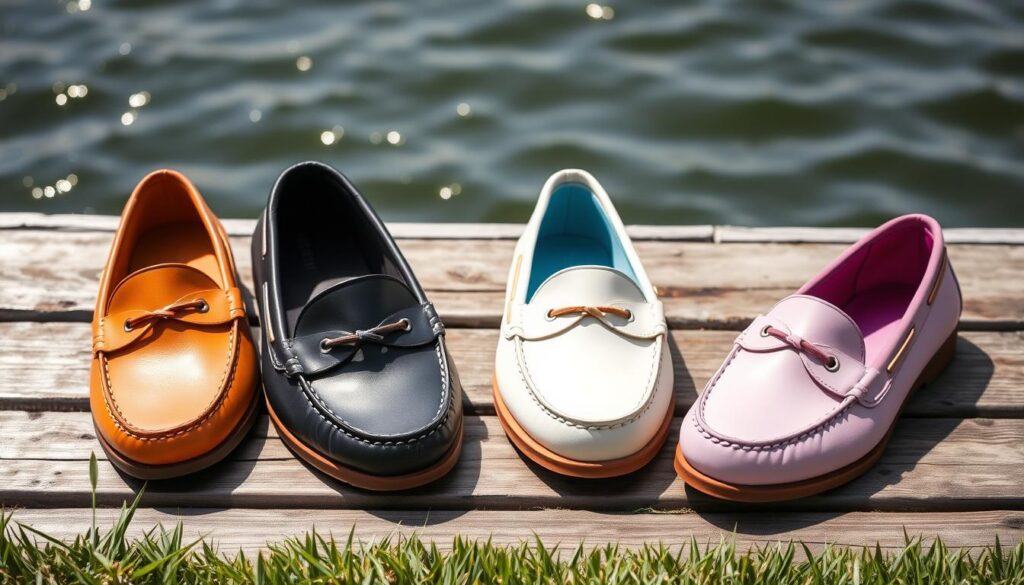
pixel 53 275
pixel 925 467
pixel 945 473
pixel 250 530
pixel 489 231
pixel 45 366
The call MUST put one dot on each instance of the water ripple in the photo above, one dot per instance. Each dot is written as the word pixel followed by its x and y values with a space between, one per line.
pixel 794 112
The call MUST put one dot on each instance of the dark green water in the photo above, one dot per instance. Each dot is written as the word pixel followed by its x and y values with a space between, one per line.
pixel 754 113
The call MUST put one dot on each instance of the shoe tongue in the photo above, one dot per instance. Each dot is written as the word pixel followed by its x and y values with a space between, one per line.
pixel 356 303
pixel 587 285
pixel 820 322
pixel 157 286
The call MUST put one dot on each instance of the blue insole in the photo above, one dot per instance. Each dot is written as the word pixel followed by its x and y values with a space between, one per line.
pixel 575 231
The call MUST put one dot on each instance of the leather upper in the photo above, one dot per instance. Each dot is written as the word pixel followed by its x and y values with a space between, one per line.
pixel 385 399
pixel 587 383
pixel 776 412
pixel 173 365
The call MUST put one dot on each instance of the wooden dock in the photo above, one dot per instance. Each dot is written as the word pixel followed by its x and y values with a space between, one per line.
pixel 954 468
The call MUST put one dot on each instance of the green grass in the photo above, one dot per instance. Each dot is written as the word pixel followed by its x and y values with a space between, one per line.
pixel 163 556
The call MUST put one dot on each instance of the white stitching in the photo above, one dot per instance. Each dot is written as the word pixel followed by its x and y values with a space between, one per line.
pixel 438 426
pixel 521 363
pixel 209 410
pixel 816 430
pixel 708 434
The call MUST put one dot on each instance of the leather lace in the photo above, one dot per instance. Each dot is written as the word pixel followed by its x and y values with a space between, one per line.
pixel 374 334
pixel 595 312
pixel 800 344
pixel 168 312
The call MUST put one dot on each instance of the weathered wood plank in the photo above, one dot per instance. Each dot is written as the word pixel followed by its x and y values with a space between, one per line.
pixel 732 234
pixel 930 465
pixel 468 231
pixel 53 275
pixel 488 231
pixel 251 530
pixel 45 366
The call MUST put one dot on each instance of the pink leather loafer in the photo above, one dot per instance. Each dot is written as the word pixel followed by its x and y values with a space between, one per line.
pixel 808 396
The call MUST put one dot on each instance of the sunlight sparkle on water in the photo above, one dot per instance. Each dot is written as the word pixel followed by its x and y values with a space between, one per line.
pixel 50 191
pixel 137 100
pixel 598 12
pixel 448 191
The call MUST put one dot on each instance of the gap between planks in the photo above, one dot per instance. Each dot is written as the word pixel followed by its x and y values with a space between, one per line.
pixel 930 465
pixel 706 233
pixel 45 366
pixel 53 276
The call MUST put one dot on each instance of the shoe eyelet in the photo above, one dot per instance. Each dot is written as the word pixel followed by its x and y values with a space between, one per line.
pixel 406 324
pixel 324 348
pixel 548 316
pixel 832 364
pixel 383 349
pixel 128 326
pixel 203 306
pixel 764 331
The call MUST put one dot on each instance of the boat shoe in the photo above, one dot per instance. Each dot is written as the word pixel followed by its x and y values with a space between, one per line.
pixel 583 374
pixel 809 394
pixel 357 375
pixel 174 377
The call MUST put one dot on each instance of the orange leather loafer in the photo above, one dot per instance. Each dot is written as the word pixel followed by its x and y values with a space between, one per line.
pixel 174 372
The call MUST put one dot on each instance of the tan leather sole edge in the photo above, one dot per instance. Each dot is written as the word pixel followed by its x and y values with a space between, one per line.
pixel 552 461
pixel 366 481
pixel 815 485
pixel 147 471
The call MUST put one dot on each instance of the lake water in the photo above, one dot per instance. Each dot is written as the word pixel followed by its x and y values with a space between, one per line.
pixel 753 112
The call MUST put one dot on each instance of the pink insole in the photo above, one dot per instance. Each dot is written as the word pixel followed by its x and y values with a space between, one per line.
pixel 877 311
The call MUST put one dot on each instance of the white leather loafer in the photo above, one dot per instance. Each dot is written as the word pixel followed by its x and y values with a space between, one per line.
pixel 583 373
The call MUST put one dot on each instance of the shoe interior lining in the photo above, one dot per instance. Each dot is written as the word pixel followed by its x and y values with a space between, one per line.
pixel 323 239
pixel 875 285
pixel 169 231
pixel 575 231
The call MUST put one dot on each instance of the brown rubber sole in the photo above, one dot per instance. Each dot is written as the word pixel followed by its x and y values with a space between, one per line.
pixel 171 470
pixel 552 461
pixel 367 481
pixel 815 485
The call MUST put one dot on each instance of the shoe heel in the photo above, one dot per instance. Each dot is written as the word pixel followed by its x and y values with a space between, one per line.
pixel 939 361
